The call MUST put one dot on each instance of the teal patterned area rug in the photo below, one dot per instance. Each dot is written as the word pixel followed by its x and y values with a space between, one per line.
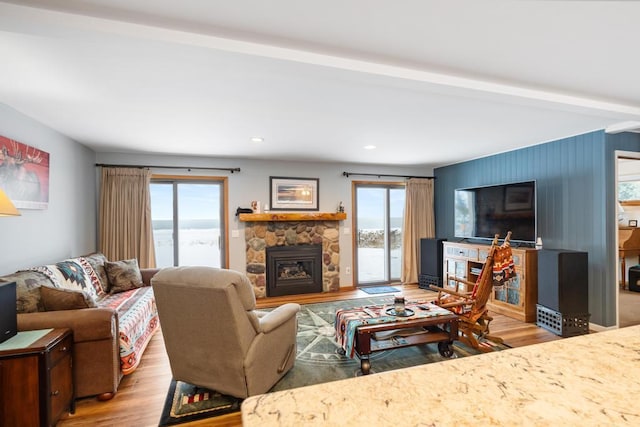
pixel 317 361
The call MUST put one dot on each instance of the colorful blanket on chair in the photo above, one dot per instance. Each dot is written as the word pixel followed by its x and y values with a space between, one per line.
pixel 504 269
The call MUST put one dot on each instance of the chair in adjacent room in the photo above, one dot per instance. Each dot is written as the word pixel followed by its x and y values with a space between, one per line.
pixel 471 307
pixel 215 338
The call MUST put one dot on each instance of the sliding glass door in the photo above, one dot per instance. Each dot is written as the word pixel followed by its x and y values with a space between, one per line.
pixel 379 213
pixel 188 222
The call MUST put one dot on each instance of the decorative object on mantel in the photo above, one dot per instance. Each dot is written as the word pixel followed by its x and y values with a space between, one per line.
pixel 292 216
pixel 297 194
pixel 340 207
pixel 24 174
pixel 243 211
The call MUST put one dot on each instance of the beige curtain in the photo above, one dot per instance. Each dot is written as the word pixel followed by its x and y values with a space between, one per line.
pixel 125 216
pixel 418 223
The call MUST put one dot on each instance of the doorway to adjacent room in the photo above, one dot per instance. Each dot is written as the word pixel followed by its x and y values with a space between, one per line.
pixel 628 219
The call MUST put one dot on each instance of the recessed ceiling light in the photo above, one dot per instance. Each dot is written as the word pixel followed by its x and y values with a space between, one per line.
pixel 369 147
pixel 257 139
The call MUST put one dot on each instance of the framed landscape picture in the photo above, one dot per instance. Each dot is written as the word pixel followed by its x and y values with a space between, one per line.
pixel 294 194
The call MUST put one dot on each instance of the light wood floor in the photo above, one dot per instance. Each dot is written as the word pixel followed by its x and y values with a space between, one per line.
pixel 141 395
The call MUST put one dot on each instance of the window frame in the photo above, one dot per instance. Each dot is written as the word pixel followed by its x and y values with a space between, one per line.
pixel 388 185
pixel 223 181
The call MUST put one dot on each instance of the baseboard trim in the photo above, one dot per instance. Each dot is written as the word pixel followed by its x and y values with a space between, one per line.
pixel 600 328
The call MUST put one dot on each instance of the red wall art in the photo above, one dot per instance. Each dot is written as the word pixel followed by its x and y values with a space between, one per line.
pixel 24 174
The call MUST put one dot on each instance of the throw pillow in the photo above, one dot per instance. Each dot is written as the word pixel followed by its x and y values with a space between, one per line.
pixel 28 285
pixel 97 260
pixel 55 299
pixel 123 275
pixel 76 274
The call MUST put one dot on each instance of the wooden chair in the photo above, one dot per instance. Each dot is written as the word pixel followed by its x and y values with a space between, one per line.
pixel 471 307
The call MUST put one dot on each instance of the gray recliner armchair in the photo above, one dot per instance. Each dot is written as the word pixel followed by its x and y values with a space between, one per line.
pixel 214 336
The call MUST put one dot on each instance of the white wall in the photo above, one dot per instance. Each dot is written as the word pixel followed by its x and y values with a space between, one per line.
pixel 68 227
pixel 252 183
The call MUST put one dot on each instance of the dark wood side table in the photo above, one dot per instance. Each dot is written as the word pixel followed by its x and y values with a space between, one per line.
pixel 36 378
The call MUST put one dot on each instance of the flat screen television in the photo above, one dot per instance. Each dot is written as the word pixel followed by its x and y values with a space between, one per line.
pixel 483 212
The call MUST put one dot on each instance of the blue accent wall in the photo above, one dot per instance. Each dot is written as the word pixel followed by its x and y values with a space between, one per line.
pixel 576 206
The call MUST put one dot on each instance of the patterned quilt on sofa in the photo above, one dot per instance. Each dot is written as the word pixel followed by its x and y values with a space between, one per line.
pixel 137 321
pixel 136 308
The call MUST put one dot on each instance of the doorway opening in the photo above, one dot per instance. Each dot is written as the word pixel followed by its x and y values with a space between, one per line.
pixel 628 238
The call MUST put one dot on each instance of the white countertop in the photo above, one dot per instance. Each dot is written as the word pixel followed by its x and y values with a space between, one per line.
pixel 586 380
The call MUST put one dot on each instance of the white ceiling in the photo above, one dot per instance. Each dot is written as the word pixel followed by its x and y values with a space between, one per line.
pixel 428 82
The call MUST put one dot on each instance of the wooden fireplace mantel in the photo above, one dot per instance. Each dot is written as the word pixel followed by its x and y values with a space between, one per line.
pixel 295 216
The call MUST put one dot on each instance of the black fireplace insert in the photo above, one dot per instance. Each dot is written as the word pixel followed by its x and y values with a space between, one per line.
pixel 294 270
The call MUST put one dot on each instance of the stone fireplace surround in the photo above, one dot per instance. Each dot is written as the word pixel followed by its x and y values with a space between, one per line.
pixel 263 234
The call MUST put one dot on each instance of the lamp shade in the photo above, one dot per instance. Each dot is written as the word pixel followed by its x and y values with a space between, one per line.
pixel 6 206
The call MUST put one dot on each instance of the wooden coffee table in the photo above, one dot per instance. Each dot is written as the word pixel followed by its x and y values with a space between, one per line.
pixel 439 325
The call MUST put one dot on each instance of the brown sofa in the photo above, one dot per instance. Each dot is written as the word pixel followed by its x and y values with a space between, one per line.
pixel 102 333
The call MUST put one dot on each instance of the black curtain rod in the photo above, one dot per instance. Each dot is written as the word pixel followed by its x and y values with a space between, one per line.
pixel 189 168
pixel 348 174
